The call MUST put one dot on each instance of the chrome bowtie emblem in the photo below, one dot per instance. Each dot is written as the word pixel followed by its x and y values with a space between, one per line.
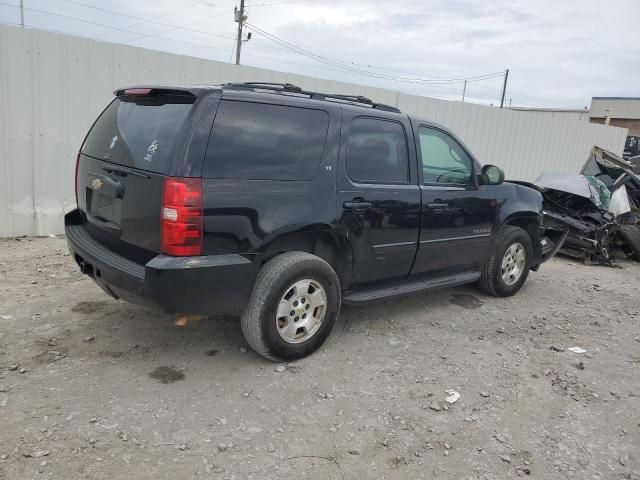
pixel 96 184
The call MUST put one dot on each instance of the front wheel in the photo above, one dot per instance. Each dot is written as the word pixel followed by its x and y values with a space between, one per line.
pixel 293 306
pixel 508 266
pixel 630 236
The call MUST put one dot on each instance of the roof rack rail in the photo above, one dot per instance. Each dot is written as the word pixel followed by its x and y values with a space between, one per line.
pixel 264 85
pixel 294 89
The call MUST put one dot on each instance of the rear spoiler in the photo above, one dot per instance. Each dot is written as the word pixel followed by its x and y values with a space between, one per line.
pixel 150 91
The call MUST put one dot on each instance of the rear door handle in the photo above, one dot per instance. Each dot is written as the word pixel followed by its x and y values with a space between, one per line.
pixel 437 205
pixel 356 205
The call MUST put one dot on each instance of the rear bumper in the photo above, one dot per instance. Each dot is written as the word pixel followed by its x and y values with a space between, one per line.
pixel 203 285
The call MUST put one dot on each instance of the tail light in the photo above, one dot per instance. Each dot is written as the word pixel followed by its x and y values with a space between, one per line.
pixel 75 181
pixel 182 216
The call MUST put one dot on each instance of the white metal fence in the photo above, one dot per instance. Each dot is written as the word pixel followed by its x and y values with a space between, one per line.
pixel 53 86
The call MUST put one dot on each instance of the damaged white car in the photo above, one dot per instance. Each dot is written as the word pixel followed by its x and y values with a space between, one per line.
pixel 599 208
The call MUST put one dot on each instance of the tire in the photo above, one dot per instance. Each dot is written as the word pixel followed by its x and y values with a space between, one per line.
pixel 491 278
pixel 630 236
pixel 275 282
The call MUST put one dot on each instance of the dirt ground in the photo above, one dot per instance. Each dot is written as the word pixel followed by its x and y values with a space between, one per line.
pixel 91 387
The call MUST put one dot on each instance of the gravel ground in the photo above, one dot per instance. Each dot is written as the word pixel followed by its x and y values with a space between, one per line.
pixel 95 388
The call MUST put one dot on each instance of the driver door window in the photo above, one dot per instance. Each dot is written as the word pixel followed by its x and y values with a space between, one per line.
pixel 443 159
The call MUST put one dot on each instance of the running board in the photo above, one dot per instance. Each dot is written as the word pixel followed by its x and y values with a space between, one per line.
pixel 407 287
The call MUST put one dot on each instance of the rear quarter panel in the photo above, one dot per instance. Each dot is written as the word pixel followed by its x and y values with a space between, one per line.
pixel 261 218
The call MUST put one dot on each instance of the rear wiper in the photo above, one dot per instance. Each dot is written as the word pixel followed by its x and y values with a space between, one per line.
pixel 124 171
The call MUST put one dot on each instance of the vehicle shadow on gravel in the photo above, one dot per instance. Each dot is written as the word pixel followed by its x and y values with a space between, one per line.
pixel 114 329
pixel 376 316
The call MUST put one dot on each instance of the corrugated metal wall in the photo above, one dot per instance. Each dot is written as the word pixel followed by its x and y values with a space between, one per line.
pixel 53 86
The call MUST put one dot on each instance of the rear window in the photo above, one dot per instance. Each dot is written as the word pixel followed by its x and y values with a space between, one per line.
pixel 139 132
pixel 256 141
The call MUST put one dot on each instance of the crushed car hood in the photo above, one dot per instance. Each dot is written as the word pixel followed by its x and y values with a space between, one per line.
pixel 570 183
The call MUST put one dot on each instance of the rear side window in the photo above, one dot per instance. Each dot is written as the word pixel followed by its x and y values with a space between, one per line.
pixel 377 151
pixel 257 141
pixel 139 132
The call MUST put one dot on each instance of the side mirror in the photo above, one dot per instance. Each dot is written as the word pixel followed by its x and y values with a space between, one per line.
pixel 492 175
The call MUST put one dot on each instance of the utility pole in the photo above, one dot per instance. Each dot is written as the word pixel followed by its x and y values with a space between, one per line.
pixel 464 90
pixel 504 87
pixel 22 13
pixel 240 18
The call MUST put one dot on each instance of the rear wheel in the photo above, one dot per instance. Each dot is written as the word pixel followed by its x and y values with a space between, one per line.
pixel 508 266
pixel 630 236
pixel 293 307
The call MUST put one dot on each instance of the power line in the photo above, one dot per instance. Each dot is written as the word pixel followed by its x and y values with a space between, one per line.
pixel 430 77
pixel 517 94
pixel 155 35
pixel 194 44
pixel 346 67
pixel 377 74
pixel 69 17
pixel 183 27
pixel 325 68
pixel 107 26
pixel 276 3
pixel 135 24
pixel 173 27
pixel 144 20
pixel 120 14
pixel 343 66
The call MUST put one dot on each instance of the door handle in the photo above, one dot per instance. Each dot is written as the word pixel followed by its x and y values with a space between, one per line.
pixel 437 205
pixel 356 205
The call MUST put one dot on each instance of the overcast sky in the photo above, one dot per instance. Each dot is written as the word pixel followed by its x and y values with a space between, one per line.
pixel 560 53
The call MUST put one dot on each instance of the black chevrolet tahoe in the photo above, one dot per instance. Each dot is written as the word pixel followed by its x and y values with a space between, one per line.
pixel 278 205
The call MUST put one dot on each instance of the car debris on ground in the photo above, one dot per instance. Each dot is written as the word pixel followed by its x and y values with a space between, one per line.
pixel 452 396
pixel 577 350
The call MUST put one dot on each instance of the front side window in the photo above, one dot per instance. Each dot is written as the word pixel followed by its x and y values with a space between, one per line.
pixel 377 151
pixel 443 159
pixel 257 141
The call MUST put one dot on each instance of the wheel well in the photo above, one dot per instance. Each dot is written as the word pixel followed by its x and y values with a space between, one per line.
pixel 532 227
pixel 323 244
